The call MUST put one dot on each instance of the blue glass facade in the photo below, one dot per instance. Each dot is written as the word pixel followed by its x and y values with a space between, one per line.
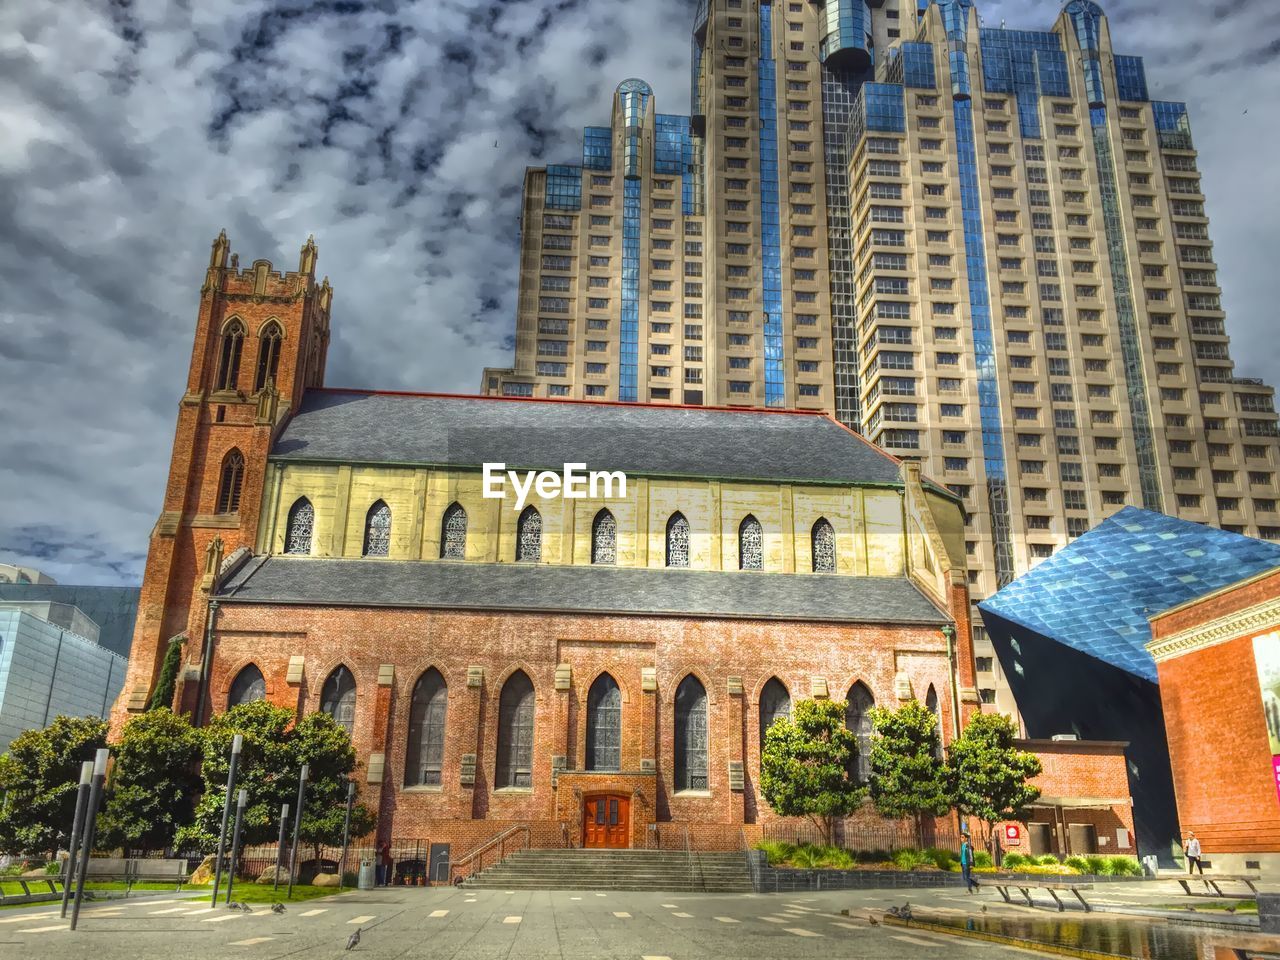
pixel 1028 64
pixel 955 18
pixel 1086 18
pixel 636 95
pixel 983 342
pixel 775 392
pixel 629 328
pixel 846 40
pixel 917 66
pixel 880 108
pixel 1096 593
pixel 1173 127
pixel 564 187
pixel 1131 79
pixel 597 148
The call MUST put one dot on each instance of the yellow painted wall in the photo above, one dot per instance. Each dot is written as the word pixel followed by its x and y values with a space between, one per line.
pixel 870 536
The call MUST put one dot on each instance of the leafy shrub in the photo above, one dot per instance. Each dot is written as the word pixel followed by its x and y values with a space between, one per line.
pixel 983 859
pixel 1077 863
pixel 1097 865
pixel 776 851
pixel 1047 860
pixel 1123 867
pixel 874 856
pixel 943 859
pixel 1012 861
pixel 911 859
pixel 806 857
pixel 54 867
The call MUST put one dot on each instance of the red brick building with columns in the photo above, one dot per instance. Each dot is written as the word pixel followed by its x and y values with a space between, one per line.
pixel 1219 663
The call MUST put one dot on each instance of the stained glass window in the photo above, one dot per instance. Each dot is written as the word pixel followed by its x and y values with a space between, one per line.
pixel 775 703
pixel 677 541
pixel 453 533
pixel 529 535
pixel 691 735
pixel 338 698
pixel 232 344
pixel 230 483
pixel 268 355
pixel 824 547
pixel 377 531
pixel 515 732
pixel 424 758
pixel 857 718
pixel 249 686
pixel 604 538
pixel 604 725
pixel 750 544
pixel 302 521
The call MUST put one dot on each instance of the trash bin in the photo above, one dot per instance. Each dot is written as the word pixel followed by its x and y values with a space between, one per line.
pixel 368 878
pixel 1150 865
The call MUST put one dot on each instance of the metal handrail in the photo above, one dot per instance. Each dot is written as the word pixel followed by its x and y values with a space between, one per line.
pixel 499 841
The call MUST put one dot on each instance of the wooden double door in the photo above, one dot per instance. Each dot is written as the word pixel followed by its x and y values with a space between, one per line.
pixel 606 821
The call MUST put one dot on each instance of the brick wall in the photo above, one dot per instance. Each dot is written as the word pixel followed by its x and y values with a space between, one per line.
pixel 501 643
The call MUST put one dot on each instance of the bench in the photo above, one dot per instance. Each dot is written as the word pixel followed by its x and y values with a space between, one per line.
pixel 1213 879
pixel 53 883
pixel 1025 887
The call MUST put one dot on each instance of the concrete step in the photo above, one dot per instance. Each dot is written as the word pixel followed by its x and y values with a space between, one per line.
pixel 578 869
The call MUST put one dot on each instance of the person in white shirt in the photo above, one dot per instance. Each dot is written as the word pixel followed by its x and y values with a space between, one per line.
pixel 1192 847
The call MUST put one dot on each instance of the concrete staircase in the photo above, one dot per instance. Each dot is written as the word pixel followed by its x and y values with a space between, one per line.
pixel 573 869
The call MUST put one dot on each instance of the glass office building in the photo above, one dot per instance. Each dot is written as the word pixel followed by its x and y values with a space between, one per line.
pixel 982 248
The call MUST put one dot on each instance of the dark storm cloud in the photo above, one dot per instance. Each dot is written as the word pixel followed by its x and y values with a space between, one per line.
pixel 135 129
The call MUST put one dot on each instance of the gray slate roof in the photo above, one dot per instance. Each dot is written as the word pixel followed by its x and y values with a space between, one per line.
pixel 347 426
pixel 581 589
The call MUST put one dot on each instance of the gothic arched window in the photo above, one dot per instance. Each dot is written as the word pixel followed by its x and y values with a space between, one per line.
pixel 750 544
pixel 857 719
pixel 230 482
pixel 338 698
pixel 604 538
pixel 775 703
pixel 229 361
pixel 824 547
pixel 248 686
pixel 300 526
pixel 691 735
pixel 424 758
pixel 515 733
pixel 377 530
pixel 931 704
pixel 453 533
pixel 269 339
pixel 677 540
pixel 529 535
pixel 604 724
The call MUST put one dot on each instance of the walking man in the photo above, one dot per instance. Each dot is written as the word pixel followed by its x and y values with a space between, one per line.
pixel 1193 855
pixel 966 863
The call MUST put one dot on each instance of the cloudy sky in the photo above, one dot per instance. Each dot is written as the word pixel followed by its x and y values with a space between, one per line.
pixel 131 131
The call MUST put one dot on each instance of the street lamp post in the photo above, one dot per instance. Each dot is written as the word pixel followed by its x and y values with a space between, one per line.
pixel 284 822
pixel 297 824
pixel 77 824
pixel 241 802
pixel 90 822
pixel 237 742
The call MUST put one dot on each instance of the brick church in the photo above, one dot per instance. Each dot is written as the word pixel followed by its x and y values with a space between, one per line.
pixel 598 668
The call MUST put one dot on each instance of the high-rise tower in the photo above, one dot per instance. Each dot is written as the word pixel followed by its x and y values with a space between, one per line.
pixel 984 249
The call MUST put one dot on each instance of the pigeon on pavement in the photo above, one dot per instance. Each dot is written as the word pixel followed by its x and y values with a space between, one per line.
pixel 277 908
pixel 353 940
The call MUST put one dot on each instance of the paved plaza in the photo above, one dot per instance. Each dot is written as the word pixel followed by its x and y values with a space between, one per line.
pixel 545 925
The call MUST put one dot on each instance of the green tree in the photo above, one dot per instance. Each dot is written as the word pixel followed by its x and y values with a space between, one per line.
pixel 39 779
pixel 273 752
pixel 806 764
pixel 153 781
pixel 166 683
pixel 908 775
pixel 990 774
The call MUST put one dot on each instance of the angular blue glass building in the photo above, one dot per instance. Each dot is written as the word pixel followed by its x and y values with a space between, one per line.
pixel 1071 637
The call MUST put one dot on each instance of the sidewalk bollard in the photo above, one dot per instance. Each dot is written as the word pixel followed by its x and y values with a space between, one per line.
pixel 241 802
pixel 236 743
pixel 346 832
pixel 77 824
pixel 90 822
pixel 284 822
pixel 297 823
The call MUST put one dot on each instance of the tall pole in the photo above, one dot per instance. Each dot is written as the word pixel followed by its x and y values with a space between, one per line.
pixel 90 822
pixel 237 742
pixel 284 822
pixel 297 824
pixel 77 824
pixel 346 830
pixel 241 802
